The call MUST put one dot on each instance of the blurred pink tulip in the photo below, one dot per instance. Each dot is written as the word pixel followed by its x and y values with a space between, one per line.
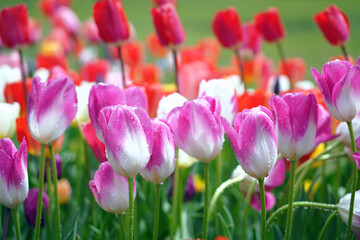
pixel 252 40
pixel 64 17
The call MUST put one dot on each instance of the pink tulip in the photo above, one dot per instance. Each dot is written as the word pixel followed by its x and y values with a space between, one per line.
pixel 51 108
pixel 252 40
pixel 128 138
pixel 105 95
pixel 197 128
pixel 162 161
pixel 64 17
pixel 296 118
pixel 91 31
pixel 340 87
pixel 323 131
pixel 110 189
pixel 14 183
pixel 253 140
pixel 97 147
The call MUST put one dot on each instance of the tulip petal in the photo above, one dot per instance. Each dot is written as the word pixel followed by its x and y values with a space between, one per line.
pixel 135 97
pixel 255 201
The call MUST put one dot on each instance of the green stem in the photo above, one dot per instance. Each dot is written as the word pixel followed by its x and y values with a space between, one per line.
pixel 175 200
pixel 283 60
pixel 131 208
pixel 6 220
pixel 323 178
pixel 206 201
pixel 246 207
pixel 300 204
pixel 219 169
pixel 323 230
pixel 343 49
pixel 40 194
pixel 354 183
pixel 157 212
pixel 122 227
pixel 119 48
pixel 15 216
pixel 291 200
pixel 176 69
pixel 263 209
pixel 57 205
pixel 49 190
pixel 180 200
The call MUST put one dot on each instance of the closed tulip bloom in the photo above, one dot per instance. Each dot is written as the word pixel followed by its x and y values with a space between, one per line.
pixel 227 27
pixel 269 24
pixel 112 23
pixel 51 108
pixel 110 189
pixel 65 18
pixel 8 120
pixel 340 87
pixel 197 128
pixel 14 26
pixel 91 31
pixel 30 206
pixel 253 140
pixel 14 183
pixel 251 41
pixel 334 24
pixel 296 118
pixel 168 25
pixel 162 161
pixel 128 138
pixel 343 208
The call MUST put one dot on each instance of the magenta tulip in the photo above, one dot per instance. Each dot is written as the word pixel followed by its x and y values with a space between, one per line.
pixel 14 183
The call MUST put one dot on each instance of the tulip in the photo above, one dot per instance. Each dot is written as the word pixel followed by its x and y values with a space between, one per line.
pixel 52 106
pixel 110 189
pixel 343 208
pixel 112 23
pixel 343 132
pixel 14 26
pixel 339 85
pixel 35 31
pixel 323 131
pixel 97 147
pixel 83 92
pixel 154 46
pixel 270 25
pixel 8 75
pixel 91 31
pixel 95 70
pixel 58 163
pixel 64 191
pixel 334 24
pixel 48 7
pixel 168 103
pixel 14 183
pixel 252 41
pixel 66 19
pixel 168 25
pixel 227 27
pixel 30 206
pixel 8 120
pixel 296 69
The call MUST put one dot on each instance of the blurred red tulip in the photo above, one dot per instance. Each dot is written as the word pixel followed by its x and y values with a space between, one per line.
pixel 97 147
pixel 210 47
pixel 249 100
pixel 58 72
pixel 14 92
pixel 49 6
pixel 162 2
pixel 154 92
pixel 227 27
pixel 45 61
pixel 154 46
pixel 334 24
pixel 296 69
pixel 133 53
pixel 149 73
pixel 14 26
pixel 270 25
pixel 95 70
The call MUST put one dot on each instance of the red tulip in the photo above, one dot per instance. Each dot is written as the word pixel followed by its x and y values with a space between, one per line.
pixel 334 24
pixel 95 70
pixel 154 46
pixel 110 18
pixel 49 6
pixel 270 25
pixel 168 25
pixel 227 27
pixel 14 92
pixel 14 26
pixel 97 147
pixel 296 68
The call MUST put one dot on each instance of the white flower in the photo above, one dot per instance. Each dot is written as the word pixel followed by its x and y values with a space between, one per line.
pixel 83 92
pixel 8 75
pixel 168 103
pixel 9 113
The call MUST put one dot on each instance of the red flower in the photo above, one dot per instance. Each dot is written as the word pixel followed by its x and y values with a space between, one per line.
pixel 97 147
pixel 334 24
pixel 270 25
pixel 154 46
pixel 110 18
pixel 14 26
pixel 14 92
pixel 250 100
pixel 227 27
pixel 49 6
pixel 296 68
pixel 252 40
pixel 133 53
pixel 95 70
pixel 49 61
pixel 168 25
pixel 149 73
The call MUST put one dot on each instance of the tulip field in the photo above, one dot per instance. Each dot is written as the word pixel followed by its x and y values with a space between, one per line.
pixel 169 119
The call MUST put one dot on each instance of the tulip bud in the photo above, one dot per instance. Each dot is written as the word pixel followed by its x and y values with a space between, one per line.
pixel 8 119
pixel 343 208
pixel 252 41
pixel 64 191
pixel 30 206
pixel 270 25
pixel 65 18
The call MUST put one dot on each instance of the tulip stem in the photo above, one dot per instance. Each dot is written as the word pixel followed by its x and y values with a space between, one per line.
pixel 354 182
pixel 174 53
pixel 323 230
pixel 206 200
pixel 157 212
pixel 343 49
pixel 7 212
pixel 240 64
pixel 246 207
pixel 57 205
pixel 283 60
pixel 40 195
pixel 15 216
pixel 23 75
pixel 49 190
pixel 122 227
pixel 291 200
pixel 263 209
pixel 175 200
pixel 122 68
pixel 131 208
pixel 180 200
pixel 300 204
pixel 219 169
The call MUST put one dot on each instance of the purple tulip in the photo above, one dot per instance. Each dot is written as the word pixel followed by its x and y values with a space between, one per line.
pixel 106 95
pixel 14 183
pixel 197 128
pixel 340 87
pixel 295 117
pixel 30 206
pixel 162 161
pixel 110 189
pixel 128 138
pixel 253 140
pixel 51 108
pixel 343 208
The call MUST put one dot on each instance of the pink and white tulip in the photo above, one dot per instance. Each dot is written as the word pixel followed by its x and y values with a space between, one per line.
pixel 51 108
pixel 162 161
pixel 14 183
pixel 11 112
pixel 296 117
pixel 343 208
pixel 340 87
pixel 128 138
pixel 253 140
pixel 110 189
pixel 197 128
pixel 168 103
